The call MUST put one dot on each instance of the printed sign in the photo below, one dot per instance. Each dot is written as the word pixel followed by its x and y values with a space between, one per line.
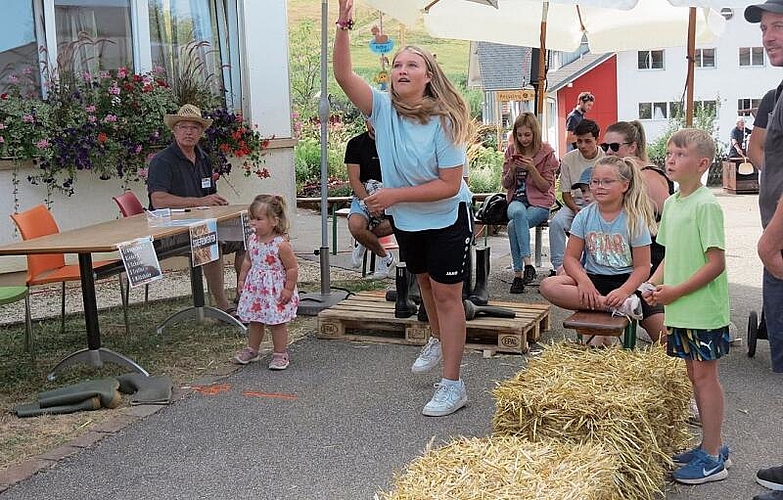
pixel 384 47
pixel 204 242
pixel 140 261
pixel 246 228
pixel 515 95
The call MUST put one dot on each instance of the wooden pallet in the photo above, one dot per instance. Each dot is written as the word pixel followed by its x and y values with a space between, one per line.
pixel 367 316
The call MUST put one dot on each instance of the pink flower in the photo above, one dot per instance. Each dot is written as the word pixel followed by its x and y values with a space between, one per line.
pixel 143 173
pixel 137 149
pixel 90 109
pixel 13 79
pixel 2 126
pixel 42 144
pixel 2 139
pixel 28 118
pixel 122 72
pixel 92 119
pixel 110 118
pixel 86 76
pixel 114 90
pixel 158 70
pixel 104 75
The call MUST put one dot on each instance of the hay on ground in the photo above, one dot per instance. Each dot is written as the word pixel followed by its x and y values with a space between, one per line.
pixel 508 468
pixel 633 402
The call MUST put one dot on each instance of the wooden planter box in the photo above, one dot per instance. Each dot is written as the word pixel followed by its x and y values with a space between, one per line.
pixel 737 183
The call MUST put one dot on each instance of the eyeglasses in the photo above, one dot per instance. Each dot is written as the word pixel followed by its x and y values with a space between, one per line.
pixel 602 182
pixel 614 145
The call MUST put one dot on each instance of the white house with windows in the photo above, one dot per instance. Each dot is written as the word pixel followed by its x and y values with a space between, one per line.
pixel 247 51
pixel 733 74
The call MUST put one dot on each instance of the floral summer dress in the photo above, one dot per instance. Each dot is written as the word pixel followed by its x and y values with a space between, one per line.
pixel 264 284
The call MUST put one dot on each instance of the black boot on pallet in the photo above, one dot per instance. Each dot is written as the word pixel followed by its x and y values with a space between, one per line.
pixel 480 294
pixel 404 307
pixel 414 293
pixel 422 315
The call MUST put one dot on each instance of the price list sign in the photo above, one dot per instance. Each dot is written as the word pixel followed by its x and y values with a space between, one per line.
pixel 140 261
pixel 247 230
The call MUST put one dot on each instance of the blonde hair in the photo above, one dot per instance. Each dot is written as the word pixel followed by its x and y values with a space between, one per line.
pixel 441 99
pixel 529 120
pixel 636 202
pixel 273 205
pixel 633 132
pixel 701 141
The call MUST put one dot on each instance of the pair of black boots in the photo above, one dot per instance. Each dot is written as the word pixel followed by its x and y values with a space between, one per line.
pixel 407 300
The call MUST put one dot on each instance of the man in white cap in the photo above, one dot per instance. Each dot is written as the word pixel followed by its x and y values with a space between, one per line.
pixel 180 176
pixel 769 15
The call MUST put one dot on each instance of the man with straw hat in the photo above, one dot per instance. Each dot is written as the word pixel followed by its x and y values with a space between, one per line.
pixel 180 176
pixel 769 15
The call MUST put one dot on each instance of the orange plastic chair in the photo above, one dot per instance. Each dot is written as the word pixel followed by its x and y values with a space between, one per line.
pixel 130 205
pixel 388 243
pixel 43 269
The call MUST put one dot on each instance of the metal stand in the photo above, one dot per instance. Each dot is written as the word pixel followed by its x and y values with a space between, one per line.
pixel 95 358
pixel 310 304
pixel 199 310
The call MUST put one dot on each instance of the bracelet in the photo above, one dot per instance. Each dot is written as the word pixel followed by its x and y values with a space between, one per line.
pixel 345 25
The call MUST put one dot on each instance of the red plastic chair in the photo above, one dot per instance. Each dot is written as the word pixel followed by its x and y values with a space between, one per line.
pixel 129 204
pixel 43 269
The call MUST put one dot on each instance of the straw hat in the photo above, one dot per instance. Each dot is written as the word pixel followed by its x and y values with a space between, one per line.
pixel 189 113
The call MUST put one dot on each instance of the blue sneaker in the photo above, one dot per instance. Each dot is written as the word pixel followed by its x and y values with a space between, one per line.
pixel 702 469
pixel 447 399
pixel 685 457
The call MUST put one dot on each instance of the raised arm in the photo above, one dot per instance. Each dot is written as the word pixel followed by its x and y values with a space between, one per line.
pixel 357 90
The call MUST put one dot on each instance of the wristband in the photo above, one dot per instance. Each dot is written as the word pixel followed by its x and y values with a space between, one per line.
pixel 345 25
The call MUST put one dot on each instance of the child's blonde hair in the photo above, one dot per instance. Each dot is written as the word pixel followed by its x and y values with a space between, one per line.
pixel 441 99
pixel 632 132
pixel 529 120
pixel 272 205
pixel 702 142
pixel 636 202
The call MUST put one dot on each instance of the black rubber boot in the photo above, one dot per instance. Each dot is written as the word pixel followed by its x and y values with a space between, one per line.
pixel 422 316
pixel 480 294
pixel 414 293
pixel 404 307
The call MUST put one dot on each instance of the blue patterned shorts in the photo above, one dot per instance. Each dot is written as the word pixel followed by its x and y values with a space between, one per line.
pixel 698 345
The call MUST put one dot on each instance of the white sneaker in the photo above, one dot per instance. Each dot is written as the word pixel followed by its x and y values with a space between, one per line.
pixel 447 399
pixel 429 356
pixel 632 307
pixel 357 256
pixel 385 266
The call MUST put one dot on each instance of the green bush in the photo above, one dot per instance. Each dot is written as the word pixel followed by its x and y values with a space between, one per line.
pixel 486 168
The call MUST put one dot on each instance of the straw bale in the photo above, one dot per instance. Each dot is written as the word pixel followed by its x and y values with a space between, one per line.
pixel 507 468
pixel 634 402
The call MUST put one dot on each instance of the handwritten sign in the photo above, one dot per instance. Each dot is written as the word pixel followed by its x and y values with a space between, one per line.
pixel 204 242
pixel 378 47
pixel 140 261
pixel 247 230
pixel 515 95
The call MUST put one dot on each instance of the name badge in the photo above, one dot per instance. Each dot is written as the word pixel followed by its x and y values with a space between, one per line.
pixel 206 183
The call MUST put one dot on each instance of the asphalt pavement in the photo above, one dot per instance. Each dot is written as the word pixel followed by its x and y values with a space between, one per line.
pixel 346 416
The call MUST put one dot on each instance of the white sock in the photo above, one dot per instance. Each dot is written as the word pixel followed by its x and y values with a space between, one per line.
pixel 448 382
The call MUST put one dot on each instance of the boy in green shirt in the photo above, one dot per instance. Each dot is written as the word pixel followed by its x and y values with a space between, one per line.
pixel 692 285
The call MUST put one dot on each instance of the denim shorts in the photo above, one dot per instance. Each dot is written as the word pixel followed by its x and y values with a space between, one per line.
pixel 698 345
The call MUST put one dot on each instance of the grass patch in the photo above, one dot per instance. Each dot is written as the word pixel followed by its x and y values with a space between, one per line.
pixel 185 351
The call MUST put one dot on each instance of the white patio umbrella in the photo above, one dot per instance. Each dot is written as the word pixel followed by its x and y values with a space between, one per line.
pixel 609 25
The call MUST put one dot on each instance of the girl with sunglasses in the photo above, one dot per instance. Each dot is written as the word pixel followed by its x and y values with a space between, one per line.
pixel 627 139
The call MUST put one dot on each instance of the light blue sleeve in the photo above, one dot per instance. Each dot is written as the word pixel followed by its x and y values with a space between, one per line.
pixel 448 154
pixel 578 226
pixel 643 237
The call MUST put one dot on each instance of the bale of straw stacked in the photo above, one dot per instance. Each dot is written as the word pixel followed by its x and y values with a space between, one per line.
pixel 508 468
pixel 633 402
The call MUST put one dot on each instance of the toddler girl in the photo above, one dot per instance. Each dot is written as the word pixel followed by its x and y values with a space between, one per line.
pixel 267 281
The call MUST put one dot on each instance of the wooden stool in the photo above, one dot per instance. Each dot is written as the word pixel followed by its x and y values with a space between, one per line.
pixel 602 323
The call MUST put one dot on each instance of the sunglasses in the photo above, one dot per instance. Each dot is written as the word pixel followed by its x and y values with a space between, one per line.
pixel 615 146
pixel 588 97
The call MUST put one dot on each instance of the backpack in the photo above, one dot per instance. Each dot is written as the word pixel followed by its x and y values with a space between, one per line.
pixel 493 210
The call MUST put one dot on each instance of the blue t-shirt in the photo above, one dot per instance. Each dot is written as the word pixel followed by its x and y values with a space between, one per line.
pixel 607 244
pixel 412 154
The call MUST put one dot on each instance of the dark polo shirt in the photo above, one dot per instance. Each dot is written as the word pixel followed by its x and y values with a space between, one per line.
pixel 172 172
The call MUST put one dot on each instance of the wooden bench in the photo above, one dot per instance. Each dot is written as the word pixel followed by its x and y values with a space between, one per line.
pixel 602 323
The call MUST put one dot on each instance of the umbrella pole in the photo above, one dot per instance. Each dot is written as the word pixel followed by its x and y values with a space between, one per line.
pixel 311 304
pixel 691 62
pixel 541 84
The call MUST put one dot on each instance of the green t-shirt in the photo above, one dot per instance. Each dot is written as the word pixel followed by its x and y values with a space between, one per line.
pixel 689 227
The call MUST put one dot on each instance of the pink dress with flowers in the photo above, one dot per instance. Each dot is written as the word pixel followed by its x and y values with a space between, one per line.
pixel 260 300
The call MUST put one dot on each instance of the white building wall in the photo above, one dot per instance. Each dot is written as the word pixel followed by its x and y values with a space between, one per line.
pixel 726 82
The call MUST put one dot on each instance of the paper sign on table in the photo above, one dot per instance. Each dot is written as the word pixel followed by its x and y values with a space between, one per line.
pixel 140 261
pixel 204 242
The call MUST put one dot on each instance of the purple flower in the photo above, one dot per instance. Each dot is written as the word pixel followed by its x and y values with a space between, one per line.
pixel 87 76
pixel 110 118
pixel 91 119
